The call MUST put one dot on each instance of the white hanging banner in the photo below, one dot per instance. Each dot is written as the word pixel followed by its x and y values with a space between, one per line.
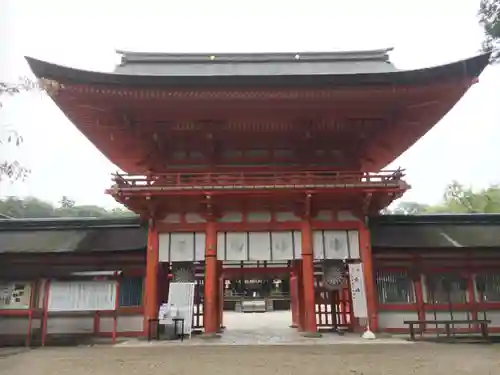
pixel 358 291
pixel 82 295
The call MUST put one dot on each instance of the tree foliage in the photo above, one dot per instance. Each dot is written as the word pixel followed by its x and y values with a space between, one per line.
pixel 12 169
pixel 456 199
pixel 489 18
pixel 31 207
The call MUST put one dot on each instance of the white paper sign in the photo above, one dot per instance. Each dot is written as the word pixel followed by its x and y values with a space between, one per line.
pixel 163 314
pixel 82 295
pixel 358 291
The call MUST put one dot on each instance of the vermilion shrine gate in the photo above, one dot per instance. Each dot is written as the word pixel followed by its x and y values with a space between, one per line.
pixel 262 159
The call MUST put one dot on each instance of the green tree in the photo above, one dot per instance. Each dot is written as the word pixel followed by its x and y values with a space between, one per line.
pixel 35 208
pixel 66 203
pixel 456 199
pixel 489 18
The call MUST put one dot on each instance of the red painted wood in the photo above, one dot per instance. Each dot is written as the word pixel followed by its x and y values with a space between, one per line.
pixel 151 288
pixel 117 304
pixel 294 300
pixel 369 276
pixel 309 303
pixel 45 309
pixel 210 310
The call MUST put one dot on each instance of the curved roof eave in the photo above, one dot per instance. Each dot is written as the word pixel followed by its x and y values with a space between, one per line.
pixel 468 68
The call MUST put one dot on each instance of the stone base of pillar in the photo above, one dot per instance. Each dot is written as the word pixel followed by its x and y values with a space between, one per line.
pixel 311 335
pixel 368 334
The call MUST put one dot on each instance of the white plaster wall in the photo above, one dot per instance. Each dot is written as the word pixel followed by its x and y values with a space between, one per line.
pixel 128 323
pixel 231 217
pixel 259 216
pixel 323 215
pixel 493 315
pixel 445 315
pixel 70 325
pixel 286 216
pixel 395 319
pixel 192 217
pixel 172 218
pixel 346 216
pixel 17 325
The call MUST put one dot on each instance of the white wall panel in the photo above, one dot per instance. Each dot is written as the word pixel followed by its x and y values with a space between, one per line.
pixel 336 244
pixel 260 246
pixel 282 245
pixel 181 247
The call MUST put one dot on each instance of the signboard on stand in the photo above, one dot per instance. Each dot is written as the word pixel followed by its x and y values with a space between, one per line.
pixel 181 304
pixel 358 291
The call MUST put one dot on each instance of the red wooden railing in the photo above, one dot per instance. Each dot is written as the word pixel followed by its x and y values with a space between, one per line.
pixel 255 180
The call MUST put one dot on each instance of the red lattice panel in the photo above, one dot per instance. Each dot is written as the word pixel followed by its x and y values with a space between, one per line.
pixel 333 308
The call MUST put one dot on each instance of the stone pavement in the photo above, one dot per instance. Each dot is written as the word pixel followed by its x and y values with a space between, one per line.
pixel 270 328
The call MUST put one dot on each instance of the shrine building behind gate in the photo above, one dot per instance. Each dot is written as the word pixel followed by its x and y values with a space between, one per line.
pixel 409 254
pixel 273 159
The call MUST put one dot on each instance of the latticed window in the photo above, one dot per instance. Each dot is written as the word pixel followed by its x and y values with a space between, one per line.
pixel 488 287
pixel 130 293
pixel 395 287
pixel 446 288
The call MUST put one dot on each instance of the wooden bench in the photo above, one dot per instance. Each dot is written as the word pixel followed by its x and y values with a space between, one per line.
pixel 448 323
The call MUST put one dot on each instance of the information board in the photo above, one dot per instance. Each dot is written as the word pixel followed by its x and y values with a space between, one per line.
pixel 15 295
pixel 181 303
pixel 82 295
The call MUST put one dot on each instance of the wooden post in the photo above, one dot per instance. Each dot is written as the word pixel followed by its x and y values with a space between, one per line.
pixel 309 303
pixel 33 305
pixel 115 311
pixel 221 296
pixel 151 287
pixel 365 249
pixel 45 310
pixel 210 308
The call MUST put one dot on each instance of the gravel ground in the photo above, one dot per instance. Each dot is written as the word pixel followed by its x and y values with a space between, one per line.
pixel 442 359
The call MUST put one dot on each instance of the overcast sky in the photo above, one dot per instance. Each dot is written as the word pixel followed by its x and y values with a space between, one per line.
pixel 84 34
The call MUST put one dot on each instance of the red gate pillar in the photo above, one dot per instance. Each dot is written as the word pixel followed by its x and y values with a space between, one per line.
pixel 294 300
pixel 210 308
pixel 369 277
pixel 309 303
pixel 151 287
pixel 220 323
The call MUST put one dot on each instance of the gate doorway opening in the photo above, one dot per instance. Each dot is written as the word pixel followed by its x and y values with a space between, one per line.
pixel 256 296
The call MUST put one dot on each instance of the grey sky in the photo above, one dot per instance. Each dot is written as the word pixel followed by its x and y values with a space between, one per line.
pixel 84 34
